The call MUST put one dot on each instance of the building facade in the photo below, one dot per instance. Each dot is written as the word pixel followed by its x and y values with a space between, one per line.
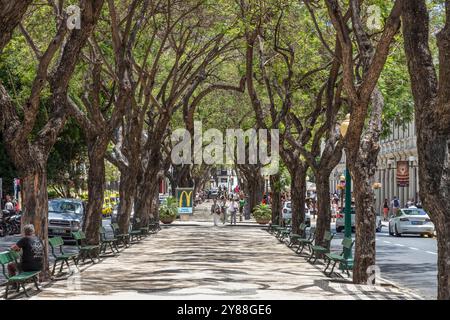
pixel 397 167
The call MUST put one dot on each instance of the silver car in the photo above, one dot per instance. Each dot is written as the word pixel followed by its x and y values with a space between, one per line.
pixel 65 216
pixel 411 220
pixel 340 222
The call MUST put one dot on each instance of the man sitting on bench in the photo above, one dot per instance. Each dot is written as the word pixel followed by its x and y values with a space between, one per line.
pixel 32 252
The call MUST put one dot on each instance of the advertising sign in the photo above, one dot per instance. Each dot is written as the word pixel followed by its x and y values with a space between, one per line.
pixel 402 173
pixel 185 200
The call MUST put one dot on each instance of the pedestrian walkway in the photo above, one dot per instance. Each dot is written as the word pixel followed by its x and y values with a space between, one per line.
pixel 194 260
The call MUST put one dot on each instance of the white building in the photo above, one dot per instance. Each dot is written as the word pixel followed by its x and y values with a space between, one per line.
pixel 400 145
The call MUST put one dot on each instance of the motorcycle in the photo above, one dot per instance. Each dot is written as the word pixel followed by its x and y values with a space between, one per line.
pixel 9 223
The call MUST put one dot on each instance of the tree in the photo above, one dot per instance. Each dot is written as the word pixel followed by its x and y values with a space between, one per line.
pixel 30 155
pixel 106 101
pixel 362 147
pixel 431 92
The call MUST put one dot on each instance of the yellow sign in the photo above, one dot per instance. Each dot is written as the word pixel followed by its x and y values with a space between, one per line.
pixel 187 197
pixel 185 200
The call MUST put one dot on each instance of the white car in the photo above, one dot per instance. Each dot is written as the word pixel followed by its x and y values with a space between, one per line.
pixel 411 220
pixel 287 213
pixel 340 222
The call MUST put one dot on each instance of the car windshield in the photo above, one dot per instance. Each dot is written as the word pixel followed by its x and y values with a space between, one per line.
pixel 414 212
pixel 61 206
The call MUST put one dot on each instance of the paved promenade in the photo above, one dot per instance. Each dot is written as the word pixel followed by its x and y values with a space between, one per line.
pixel 194 260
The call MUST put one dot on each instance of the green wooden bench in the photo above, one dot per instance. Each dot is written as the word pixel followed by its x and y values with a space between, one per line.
pixel 122 238
pixel 105 242
pixel 145 230
pixel 57 243
pixel 283 230
pixel 135 231
pixel 154 226
pixel 317 251
pixel 91 251
pixel 19 279
pixel 294 237
pixel 306 241
pixel 347 245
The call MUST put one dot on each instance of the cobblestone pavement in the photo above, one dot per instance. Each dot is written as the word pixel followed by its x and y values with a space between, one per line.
pixel 194 260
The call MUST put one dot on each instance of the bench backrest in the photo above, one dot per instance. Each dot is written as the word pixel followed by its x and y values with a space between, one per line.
pixel 115 227
pixel 312 233
pixel 79 235
pixel 56 242
pixel 102 231
pixel 347 245
pixel 327 237
pixel 6 258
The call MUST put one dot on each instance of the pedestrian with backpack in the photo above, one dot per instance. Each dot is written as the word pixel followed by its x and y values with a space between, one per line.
pixel 395 204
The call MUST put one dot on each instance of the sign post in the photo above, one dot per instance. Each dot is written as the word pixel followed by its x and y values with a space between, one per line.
pixel 185 200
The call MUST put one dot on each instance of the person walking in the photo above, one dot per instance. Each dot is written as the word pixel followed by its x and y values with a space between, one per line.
pixel 233 210
pixel 215 211
pixel 385 210
pixel 395 204
pixel 241 207
pixel 224 209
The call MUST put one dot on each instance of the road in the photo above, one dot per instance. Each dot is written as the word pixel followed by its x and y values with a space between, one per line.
pixel 409 260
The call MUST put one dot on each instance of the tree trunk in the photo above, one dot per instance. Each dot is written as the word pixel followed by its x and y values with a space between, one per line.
pixel 298 193
pixel 431 108
pixel 11 13
pixel 323 205
pixel 276 198
pixel 96 189
pixel 146 190
pixel 255 190
pixel 365 221
pixel 35 205
pixel 127 192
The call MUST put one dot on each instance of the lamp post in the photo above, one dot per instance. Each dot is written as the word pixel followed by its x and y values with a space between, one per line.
pixel 348 192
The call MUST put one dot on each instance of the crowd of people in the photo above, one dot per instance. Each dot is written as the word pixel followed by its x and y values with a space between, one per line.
pixel 229 204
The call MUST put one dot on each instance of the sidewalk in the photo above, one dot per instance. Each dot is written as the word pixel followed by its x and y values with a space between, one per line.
pixel 193 260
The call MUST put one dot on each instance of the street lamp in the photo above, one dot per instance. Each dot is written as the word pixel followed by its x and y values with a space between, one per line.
pixel 348 192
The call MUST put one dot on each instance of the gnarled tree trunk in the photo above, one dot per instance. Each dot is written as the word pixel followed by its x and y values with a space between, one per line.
pixel 298 194
pixel 127 192
pixel 431 98
pixel 323 205
pixel 34 195
pixel 276 197
pixel 96 188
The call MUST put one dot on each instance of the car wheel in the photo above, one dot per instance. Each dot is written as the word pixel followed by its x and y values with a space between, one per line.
pixel 338 229
pixel 390 230
pixel 431 235
pixel 396 232
pixel 378 229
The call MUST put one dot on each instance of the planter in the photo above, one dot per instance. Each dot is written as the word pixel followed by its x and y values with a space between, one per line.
pixel 167 220
pixel 263 221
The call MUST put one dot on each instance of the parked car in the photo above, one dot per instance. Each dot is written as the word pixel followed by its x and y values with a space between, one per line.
pixel 286 213
pixel 115 210
pixel 411 221
pixel 340 221
pixel 65 216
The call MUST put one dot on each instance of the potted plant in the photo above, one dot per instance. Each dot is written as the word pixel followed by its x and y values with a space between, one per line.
pixel 262 213
pixel 168 210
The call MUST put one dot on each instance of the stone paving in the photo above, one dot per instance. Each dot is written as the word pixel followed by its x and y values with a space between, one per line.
pixel 194 260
